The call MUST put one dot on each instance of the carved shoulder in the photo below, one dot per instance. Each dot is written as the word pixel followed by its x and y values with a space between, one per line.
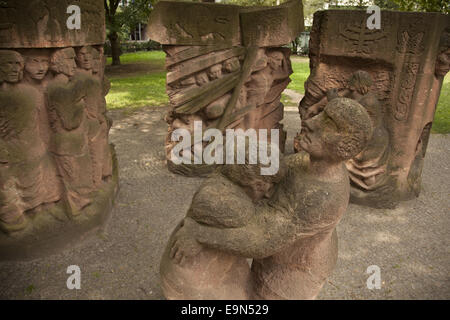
pixel 220 203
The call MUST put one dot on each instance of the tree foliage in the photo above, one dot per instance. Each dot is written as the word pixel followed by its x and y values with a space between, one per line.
pixel 121 18
pixel 424 5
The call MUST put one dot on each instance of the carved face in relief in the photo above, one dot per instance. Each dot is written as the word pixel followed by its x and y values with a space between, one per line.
pixel 360 82
pixel 443 63
pixel 231 65
pixel 84 58
pixel 11 66
pixel 63 62
pixel 276 60
pixel 215 72
pixel 339 133
pixel 201 78
pixel 37 64
pixel 96 61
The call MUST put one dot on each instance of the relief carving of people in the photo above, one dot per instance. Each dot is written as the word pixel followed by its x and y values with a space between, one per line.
pixel 286 222
pixel 367 170
pixel 27 176
pixel 84 59
pixel 267 69
pixel 70 125
pixel 63 65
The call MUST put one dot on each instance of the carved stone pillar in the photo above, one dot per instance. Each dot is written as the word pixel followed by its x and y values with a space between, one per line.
pixel 226 68
pixel 396 72
pixel 58 172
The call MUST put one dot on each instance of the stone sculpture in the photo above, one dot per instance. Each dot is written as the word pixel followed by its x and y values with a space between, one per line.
pixel 57 177
pixel 285 222
pixel 396 72
pixel 226 67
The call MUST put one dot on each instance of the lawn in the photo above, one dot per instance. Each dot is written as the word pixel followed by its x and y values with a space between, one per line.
pixel 140 81
pixel 441 123
pixel 300 65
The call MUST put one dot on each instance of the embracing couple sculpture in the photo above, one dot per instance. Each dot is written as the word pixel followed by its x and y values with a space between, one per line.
pixel 286 222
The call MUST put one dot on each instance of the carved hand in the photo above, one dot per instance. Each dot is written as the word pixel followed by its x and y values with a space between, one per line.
pixel 185 245
pixel 313 110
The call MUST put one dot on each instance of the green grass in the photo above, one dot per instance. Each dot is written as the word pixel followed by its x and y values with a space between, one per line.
pixel 139 88
pixel 300 66
pixel 441 123
pixel 138 91
pixel 156 57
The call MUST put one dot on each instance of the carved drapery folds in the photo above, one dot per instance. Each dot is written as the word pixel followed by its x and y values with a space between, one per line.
pixel 226 67
pixel 56 164
pixel 396 72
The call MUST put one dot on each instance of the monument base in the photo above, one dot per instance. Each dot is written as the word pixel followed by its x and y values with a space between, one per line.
pixel 51 230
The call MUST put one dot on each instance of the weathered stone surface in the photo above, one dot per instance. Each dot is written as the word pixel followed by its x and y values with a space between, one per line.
pixel 396 72
pixel 43 24
pixel 57 176
pixel 285 222
pixel 226 67
pixel 272 26
pixel 189 23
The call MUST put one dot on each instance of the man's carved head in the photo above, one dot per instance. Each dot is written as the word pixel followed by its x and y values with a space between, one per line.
pixel 62 61
pixel 231 65
pixel 360 81
pixel 443 63
pixel 97 63
pixel 275 59
pixel 201 78
pixel 11 66
pixel 215 72
pixel 84 58
pixel 338 133
pixel 443 58
pixel 37 63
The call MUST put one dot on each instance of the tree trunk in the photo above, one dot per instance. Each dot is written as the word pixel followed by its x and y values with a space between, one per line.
pixel 115 48
pixel 295 46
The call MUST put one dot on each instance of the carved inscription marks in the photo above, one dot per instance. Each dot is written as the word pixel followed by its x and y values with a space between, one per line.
pixel 410 47
pixel 359 39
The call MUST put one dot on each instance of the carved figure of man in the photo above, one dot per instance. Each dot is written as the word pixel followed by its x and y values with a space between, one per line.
pixel 201 78
pixel 215 72
pixel 97 63
pixel 37 63
pixel 225 200
pixel 70 139
pixel 84 59
pixel 231 65
pixel 443 63
pixel 291 236
pixel 63 65
pixel 260 82
pixel 367 169
pixel 11 67
pixel 26 177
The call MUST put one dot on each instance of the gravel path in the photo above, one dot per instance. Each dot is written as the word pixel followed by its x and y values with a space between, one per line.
pixel 410 244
